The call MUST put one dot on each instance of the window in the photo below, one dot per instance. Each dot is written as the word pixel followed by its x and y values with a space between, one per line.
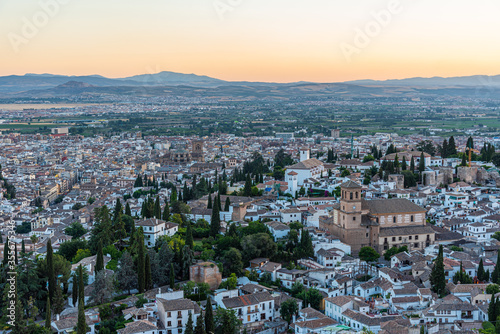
pixel 394 219
pixel 385 240
pixel 400 238
pixel 248 318
pixel 353 218
pixel 169 323
pixel 416 237
pixel 367 235
pixel 356 195
pixel 411 218
pixel 415 245
pixel 263 306
pixel 169 314
pixel 393 238
pixel 179 314
pixel 350 195
pixel 410 237
pixel 179 324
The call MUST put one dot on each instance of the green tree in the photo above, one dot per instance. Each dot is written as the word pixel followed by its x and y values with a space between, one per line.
pixel 495 275
pixel 437 278
pixel 368 254
pixel 232 262
pixel 81 326
pixel 126 276
pixel 51 277
pixel 215 220
pixel 99 262
pixel 227 204
pixel 226 322
pixel 166 213
pixel 172 276
pixel 480 270
pixel 81 288
pixel 189 325
pixel 209 318
pixel 128 212
pixel 492 309
pixel 58 306
pixel 412 164
pixel 141 267
pixel 200 326
pixel 189 236
pixel 48 315
pixel 148 281
pixel 288 309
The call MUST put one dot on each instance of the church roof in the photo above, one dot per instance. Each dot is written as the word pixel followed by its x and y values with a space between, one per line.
pixel 350 184
pixel 393 205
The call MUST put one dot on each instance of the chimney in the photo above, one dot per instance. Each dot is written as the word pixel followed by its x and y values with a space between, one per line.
pixel 57 317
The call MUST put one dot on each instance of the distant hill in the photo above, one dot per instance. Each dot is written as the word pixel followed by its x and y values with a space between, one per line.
pixel 474 81
pixel 172 83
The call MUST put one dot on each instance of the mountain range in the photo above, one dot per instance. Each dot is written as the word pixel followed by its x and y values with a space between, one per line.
pixel 50 85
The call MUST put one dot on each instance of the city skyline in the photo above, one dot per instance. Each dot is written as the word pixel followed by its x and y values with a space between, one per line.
pixel 251 41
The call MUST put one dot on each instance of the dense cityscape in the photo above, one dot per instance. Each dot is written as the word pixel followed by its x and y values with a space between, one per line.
pixel 302 231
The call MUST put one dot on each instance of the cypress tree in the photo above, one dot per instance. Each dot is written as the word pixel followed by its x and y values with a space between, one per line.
pixel 412 164
pixel 172 276
pixel 74 292
pixel 128 212
pixel 23 247
pixel 464 161
pixel 99 262
pixel 487 275
pixel 218 201
pixel 141 266
pixel 480 271
pixel 81 288
pixel 200 326
pixel 497 325
pixel 189 236
pixel 495 275
pixel 118 209
pixel 50 270
pixel 421 163
pixel 492 309
pixel 444 149
pixel 404 166
pixel 189 325
pixel 497 308
pixel 209 317
pixel 81 325
pixel 438 279
pixel 157 208
pixel 209 205
pixel 227 204
pixel 452 147
pixel 48 314
pixel 215 221
pixel 149 282
pixel 166 213
pixel 1 238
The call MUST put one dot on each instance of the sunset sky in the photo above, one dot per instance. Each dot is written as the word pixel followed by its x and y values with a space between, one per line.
pixel 254 40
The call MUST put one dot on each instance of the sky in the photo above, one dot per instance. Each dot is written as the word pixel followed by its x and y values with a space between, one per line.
pixel 253 40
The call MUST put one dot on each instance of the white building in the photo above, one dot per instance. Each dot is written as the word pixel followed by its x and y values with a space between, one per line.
pixel 155 228
pixel 174 314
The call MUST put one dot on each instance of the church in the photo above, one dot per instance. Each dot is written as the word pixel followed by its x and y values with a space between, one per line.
pixel 379 223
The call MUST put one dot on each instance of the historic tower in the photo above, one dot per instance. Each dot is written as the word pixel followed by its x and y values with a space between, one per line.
pixel 197 151
pixel 349 224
